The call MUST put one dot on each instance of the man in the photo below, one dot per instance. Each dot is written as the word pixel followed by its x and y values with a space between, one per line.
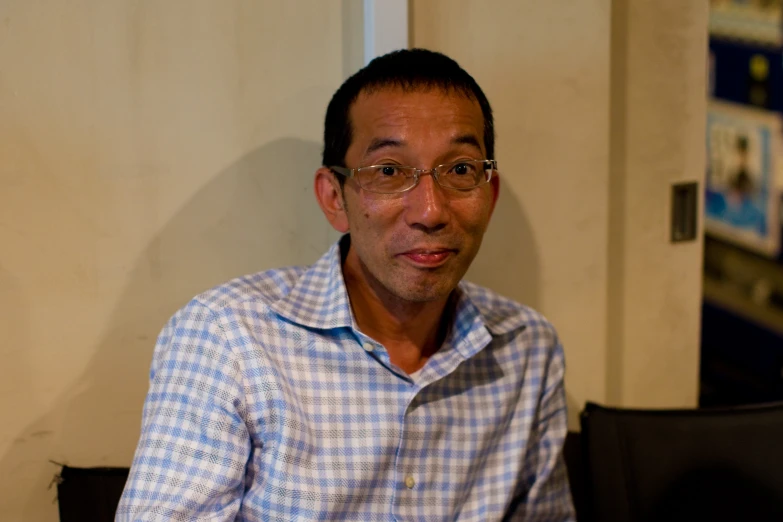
pixel 374 385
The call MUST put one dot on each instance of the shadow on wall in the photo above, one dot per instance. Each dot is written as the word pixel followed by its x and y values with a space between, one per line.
pixel 508 263
pixel 258 213
pixel 508 260
pixel 15 383
pixel 574 411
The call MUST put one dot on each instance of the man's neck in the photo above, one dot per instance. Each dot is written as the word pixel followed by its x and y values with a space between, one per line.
pixel 411 332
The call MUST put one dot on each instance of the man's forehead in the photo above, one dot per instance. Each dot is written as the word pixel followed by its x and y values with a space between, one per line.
pixel 375 103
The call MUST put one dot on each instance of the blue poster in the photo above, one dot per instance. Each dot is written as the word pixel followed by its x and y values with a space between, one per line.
pixel 741 192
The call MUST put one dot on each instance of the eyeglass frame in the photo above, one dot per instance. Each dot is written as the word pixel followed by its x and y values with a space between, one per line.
pixel 417 174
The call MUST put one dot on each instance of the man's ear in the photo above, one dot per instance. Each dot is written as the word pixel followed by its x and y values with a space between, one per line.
pixel 331 199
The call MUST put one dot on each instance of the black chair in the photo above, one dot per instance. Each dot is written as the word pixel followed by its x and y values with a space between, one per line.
pixel 90 494
pixel 694 465
pixel 572 454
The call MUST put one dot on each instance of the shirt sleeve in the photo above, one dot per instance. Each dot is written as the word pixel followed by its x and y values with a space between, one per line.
pixel 547 495
pixel 190 461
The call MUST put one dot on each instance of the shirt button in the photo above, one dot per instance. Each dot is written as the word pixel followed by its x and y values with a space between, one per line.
pixel 409 482
pixel 368 347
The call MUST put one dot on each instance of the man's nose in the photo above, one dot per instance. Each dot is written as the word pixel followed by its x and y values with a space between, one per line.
pixel 426 204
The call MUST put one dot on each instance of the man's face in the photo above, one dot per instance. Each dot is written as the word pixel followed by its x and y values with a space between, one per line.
pixel 416 245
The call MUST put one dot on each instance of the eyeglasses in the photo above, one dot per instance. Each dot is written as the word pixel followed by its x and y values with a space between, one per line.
pixel 392 179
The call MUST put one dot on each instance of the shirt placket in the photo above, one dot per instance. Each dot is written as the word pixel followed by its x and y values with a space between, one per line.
pixel 417 492
pixel 411 484
pixel 420 487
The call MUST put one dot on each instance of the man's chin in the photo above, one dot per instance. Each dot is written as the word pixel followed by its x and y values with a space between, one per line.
pixel 426 293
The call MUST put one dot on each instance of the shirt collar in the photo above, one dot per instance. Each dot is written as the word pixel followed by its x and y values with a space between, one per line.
pixel 320 300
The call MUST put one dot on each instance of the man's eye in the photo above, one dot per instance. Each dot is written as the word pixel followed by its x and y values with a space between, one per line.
pixel 388 171
pixel 462 169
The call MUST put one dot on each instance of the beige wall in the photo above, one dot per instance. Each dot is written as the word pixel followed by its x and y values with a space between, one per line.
pixel 600 106
pixel 545 69
pixel 659 54
pixel 151 149
pixel 148 150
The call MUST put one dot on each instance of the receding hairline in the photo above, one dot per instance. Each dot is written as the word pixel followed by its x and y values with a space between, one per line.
pixel 408 88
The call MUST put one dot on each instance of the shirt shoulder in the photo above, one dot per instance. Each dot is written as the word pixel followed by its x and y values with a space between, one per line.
pixel 258 288
pixel 503 315
pixel 208 325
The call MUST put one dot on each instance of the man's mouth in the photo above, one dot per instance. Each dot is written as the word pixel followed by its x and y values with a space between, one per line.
pixel 428 257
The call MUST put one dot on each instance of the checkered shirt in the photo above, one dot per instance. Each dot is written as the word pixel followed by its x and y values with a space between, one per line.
pixel 267 403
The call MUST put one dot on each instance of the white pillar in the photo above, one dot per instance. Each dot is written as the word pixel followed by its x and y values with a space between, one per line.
pixel 385 27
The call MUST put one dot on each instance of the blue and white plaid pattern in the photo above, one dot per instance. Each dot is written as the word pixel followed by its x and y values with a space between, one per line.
pixel 267 403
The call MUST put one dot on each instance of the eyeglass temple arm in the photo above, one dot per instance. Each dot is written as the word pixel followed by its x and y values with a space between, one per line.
pixel 342 171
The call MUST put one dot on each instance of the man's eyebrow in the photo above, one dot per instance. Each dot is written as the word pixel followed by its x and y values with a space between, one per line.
pixel 380 143
pixel 467 139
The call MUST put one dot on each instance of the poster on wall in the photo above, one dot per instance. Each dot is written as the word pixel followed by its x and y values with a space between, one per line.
pixel 759 21
pixel 742 196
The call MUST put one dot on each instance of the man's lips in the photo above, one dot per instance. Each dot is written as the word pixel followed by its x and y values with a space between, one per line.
pixel 429 257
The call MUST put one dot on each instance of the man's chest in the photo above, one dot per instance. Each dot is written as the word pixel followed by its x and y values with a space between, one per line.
pixel 340 436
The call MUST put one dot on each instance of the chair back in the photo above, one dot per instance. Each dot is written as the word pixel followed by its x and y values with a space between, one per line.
pixel 694 465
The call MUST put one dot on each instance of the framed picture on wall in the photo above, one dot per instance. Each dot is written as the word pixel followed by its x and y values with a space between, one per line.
pixel 758 21
pixel 742 192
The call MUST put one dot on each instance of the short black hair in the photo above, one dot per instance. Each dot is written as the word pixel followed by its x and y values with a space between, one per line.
pixel 408 69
